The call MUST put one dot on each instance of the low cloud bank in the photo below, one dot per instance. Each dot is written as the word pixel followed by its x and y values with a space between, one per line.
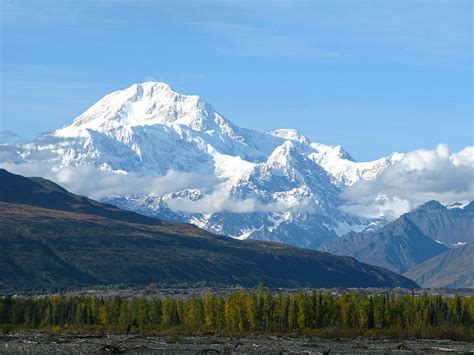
pixel 420 176
pixel 91 182
pixel 219 200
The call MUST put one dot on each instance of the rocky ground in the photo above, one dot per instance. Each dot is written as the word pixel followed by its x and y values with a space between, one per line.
pixel 187 292
pixel 33 343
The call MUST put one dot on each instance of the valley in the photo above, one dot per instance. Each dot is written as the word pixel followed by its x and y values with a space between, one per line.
pixel 256 177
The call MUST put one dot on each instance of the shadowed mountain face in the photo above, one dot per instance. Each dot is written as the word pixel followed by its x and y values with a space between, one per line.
pixel 59 247
pixel 39 192
pixel 416 244
pixel 453 268
pixel 398 246
pixel 448 225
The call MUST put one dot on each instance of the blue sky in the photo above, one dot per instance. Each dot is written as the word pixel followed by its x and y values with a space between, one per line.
pixel 374 76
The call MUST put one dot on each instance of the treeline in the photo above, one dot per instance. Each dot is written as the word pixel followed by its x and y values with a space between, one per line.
pixel 243 312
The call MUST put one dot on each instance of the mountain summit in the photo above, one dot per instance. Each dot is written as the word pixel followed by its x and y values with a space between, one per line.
pixel 147 104
pixel 186 162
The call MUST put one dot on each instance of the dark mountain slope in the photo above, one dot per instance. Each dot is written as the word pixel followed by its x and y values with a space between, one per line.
pixel 40 192
pixel 453 269
pixel 46 248
pixel 59 247
pixel 398 246
pixel 447 225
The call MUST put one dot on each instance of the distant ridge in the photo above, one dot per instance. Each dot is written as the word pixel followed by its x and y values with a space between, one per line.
pixel 398 246
pixel 449 225
pixel 418 243
pixel 453 268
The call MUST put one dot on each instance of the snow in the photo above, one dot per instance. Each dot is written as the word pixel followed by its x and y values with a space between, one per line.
pixel 458 244
pixel 343 228
pixel 232 168
pixel 286 181
pixel 344 170
pixel 290 134
pixel 458 205
pixel 246 233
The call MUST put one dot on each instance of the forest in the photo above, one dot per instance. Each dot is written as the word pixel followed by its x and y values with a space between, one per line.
pixel 243 312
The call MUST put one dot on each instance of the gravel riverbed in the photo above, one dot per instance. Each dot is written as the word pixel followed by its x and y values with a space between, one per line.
pixel 34 343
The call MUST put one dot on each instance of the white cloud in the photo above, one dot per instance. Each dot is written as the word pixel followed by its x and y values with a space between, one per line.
pixel 90 181
pixel 219 200
pixel 420 176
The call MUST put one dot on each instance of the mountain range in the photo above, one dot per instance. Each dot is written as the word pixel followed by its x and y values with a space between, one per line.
pixel 183 161
pixel 148 152
pixel 419 245
pixel 451 225
pixel 50 238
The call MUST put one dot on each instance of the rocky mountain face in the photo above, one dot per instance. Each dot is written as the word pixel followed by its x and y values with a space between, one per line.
pixel 76 241
pixel 453 268
pixel 246 184
pixel 424 244
pixel 398 246
pixel 451 225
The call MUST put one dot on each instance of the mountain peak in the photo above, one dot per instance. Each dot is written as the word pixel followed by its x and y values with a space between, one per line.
pixel 150 133
pixel 290 134
pixel 287 148
pixel 284 154
pixel 144 104
pixel 156 84
pixel 431 205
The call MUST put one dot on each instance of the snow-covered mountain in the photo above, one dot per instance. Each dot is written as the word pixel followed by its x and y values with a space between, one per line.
pixel 190 164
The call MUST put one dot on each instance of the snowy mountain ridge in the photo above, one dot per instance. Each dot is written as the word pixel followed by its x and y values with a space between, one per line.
pixel 276 185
